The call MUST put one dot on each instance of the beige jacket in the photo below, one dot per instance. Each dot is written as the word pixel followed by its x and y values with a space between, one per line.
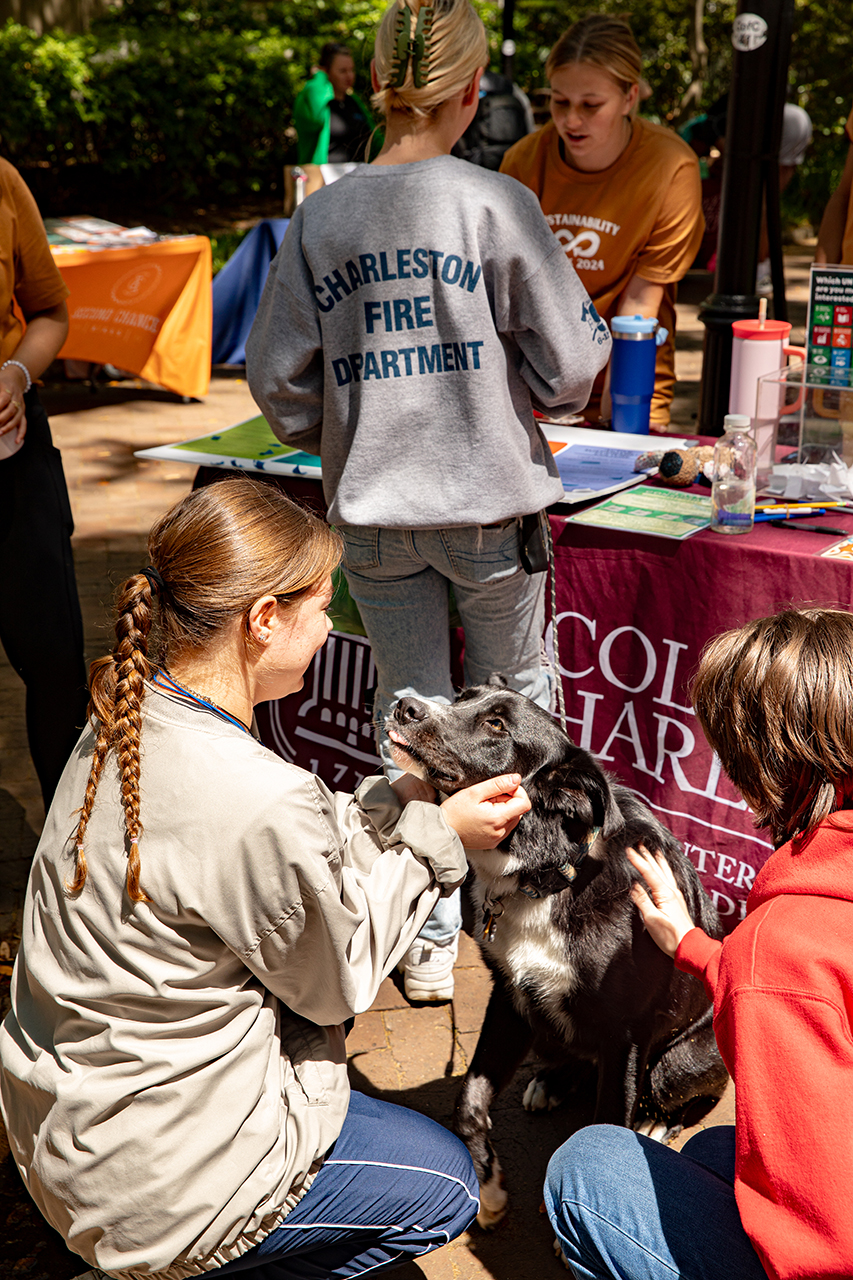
pixel 173 1073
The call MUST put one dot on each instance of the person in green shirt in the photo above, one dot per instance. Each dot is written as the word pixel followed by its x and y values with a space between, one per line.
pixel 333 124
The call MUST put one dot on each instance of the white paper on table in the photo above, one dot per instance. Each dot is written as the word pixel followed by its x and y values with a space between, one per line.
pixel 812 481
pixel 612 453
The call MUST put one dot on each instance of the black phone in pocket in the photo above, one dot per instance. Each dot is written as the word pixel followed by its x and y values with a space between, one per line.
pixel 533 551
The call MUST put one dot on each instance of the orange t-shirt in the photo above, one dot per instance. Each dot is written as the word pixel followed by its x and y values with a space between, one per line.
pixel 28 274
pixel 641 216
pixel 847 243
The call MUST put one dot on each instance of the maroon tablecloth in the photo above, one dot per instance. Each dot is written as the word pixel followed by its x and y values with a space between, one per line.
pixel 633 613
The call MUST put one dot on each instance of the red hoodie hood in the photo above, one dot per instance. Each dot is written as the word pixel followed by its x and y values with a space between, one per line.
pixel 820 864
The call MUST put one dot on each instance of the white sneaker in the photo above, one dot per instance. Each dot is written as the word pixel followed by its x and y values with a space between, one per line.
pixel 427 969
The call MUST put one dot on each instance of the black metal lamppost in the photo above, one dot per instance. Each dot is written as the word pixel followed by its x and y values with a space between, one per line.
pixel 762 40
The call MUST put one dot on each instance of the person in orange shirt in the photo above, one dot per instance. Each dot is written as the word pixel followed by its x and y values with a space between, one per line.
pixel 835 238
pixel 623 195
pixel 41 628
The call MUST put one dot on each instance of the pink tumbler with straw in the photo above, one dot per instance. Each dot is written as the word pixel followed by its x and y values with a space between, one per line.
pixel 758 347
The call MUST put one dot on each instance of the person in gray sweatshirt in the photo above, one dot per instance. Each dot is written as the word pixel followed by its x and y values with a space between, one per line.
pixel 417 312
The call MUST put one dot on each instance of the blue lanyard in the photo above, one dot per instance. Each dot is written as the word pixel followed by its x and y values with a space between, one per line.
pixel 164 680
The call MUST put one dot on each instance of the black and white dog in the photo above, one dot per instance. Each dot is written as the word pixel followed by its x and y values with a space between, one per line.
pixel 575 974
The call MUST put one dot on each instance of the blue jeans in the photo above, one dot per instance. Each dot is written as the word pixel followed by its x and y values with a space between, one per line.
pixel 445 920
pixel 394 1186
pixel 400 579
pixel 625 1206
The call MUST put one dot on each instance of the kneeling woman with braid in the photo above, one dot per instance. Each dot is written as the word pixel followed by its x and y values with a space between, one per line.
pixel 195 936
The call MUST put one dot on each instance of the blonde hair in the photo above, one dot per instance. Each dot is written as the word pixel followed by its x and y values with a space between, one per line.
pixel 775 701
pixel 211 557
pixel 599 41
pixel 456 48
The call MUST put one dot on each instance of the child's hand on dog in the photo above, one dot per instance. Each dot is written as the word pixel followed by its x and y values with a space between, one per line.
pixel 483 815
pixel 661 904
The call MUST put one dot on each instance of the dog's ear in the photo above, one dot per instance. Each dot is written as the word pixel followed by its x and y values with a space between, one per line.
pixel 497 681
pixel 580 788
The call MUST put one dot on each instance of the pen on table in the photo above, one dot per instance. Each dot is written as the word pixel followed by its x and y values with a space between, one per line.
pixel 790 515
pixel 810 528
pixel 780 506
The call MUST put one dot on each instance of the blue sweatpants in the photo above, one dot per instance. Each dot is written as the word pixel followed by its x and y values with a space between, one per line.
pixel 394 1186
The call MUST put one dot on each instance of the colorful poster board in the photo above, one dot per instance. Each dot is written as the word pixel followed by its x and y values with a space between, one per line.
pixel 829 326
pixel 591 463
pixel 248 446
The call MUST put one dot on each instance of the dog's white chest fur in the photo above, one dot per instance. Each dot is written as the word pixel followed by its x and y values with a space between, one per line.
pixel 532 955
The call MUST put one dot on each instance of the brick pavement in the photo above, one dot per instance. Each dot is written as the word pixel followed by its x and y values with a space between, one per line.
pixel 414 1056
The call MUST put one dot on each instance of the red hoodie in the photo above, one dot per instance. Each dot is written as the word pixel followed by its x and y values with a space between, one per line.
pixel 782 986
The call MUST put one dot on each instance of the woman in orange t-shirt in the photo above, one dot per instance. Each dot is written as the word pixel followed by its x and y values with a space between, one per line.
pixel 623 195
pixel 41 628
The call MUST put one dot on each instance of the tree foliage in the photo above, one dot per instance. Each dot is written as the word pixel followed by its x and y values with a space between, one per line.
pixel 182 98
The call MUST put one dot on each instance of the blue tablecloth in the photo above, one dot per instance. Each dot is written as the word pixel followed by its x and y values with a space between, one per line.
pixel 237 290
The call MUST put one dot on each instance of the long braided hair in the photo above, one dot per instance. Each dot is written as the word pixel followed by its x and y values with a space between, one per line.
pixel 210 557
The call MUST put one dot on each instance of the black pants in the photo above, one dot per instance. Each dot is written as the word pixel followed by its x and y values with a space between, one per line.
pixel 41 628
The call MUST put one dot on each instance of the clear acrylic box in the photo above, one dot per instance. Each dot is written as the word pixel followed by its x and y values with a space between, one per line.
pixel 808 407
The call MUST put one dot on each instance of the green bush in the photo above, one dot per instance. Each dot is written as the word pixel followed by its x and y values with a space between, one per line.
pixel 51 103
pixel 224 245
pixel 178 100
pixel 172 102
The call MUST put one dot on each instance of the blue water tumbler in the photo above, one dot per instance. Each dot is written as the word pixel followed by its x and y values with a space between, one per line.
pixel 632 371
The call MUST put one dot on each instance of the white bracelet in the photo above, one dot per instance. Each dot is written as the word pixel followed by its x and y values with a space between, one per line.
pixel 26 372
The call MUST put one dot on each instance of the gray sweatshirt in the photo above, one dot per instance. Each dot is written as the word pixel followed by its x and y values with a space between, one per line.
pixel 172 1073
pixel 412 318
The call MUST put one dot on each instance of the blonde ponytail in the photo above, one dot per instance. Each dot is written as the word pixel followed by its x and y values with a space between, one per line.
pixel 426 53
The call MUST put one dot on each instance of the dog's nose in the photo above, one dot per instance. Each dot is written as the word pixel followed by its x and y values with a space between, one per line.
pixel 408 709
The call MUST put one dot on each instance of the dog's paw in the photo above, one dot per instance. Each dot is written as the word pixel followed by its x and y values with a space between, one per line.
pixel 537 1096
pixel 493 1199
pixel 657 1130
pixel 558 1249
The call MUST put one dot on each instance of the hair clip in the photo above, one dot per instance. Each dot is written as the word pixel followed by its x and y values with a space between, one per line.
pixel 411 46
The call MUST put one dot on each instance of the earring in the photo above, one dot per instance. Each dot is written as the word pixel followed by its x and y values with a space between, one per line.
pixel 263 635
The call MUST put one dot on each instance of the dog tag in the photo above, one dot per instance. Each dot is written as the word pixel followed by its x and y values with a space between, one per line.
pixel 491 914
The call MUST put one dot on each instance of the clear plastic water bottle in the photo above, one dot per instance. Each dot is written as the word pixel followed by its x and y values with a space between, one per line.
pixel 733 478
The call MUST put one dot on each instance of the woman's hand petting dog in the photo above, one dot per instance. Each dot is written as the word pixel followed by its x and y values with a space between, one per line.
pixel 483 815
pixel 661 904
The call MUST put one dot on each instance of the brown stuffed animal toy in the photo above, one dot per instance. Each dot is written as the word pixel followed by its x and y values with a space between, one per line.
pixel 679 468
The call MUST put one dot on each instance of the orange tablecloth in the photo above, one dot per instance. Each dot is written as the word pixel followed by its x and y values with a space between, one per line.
pixel 147 309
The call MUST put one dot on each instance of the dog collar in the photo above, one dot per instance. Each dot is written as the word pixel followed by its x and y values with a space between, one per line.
pixel 543 884
pixel 539 884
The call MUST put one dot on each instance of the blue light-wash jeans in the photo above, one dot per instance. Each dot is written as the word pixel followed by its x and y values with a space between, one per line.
pixel 624 1206
pixel 394 1186
pixel 400 579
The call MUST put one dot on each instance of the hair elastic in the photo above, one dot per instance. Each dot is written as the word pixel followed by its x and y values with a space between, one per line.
pixel 154 580
pixel 415 47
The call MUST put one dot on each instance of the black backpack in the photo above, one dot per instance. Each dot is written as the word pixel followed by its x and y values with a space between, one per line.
pixel 503 117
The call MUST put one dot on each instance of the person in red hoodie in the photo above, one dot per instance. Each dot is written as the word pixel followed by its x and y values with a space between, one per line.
pixel 769 1196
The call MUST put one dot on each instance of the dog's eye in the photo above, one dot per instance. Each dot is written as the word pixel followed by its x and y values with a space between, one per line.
pixel 495 723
